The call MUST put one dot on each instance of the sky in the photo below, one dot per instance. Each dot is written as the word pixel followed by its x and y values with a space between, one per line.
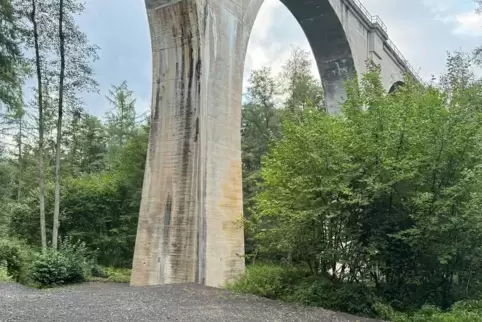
pixel 423 30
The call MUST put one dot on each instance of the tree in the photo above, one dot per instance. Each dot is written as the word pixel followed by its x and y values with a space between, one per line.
pixel 121 120
pixel 300 86
pixel 7 180
pixel 19 120
pixel 260 120
pixel 55 229
pixel 40 101
pixel 262 117
pixel 384 196
pixel 260 126
pixel 62 57
pixel 75 55
pixel 11 62
pixel 85 144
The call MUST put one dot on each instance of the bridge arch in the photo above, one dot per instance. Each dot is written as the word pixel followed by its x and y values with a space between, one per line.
pixel 328 41
pixel 190 227
pixel 395 86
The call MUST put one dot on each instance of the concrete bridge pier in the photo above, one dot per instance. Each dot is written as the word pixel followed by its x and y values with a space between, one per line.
pixel 190 227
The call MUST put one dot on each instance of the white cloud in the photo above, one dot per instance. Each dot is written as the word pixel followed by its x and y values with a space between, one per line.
pixel 469 23
pixel 438 6
pixel 464 22
pixel 265 48
pixel 266 17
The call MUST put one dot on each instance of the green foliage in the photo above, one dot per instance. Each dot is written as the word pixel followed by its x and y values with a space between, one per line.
pixel 70 264
pixel 265 280
pixel 102 161
pixel 51 267
pixel 297 285
pixel 24 223
pixel 386 195
pixel 87 144
pixel 100 209
pixel 14 257
pixel 300 85
pixel 355 298
pixel 4 276
pixel 118 275
pixel 110 274
pixel 10 57
pixel 464 311
pixel 260 126
pixel 262 115
pixel 94 214
pixel 121 120
pixel 98 271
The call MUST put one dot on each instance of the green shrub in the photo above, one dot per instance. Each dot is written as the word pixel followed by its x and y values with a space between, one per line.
pixel 15 256
pixel 352 298
pixel 267 280
pixel 99 271
pixel 467 311
pixel 70 264
pixel 78 253
pixel 262 280
pixel 118 275
pixel 296 285
pixel 4 277
pixel 50 268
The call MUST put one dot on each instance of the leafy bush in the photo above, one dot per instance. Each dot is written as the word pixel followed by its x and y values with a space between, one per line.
pixel 296 285
pixel 70 264
pixel 79 253
pixel 15 257
pixel 466 311
pixel 267 280
pixel 4 277
pixel 97 210
pixel 99 271
pixel 353 298
pixel 118 275
pixel 50 268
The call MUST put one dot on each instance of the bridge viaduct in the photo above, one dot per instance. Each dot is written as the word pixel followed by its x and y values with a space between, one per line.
pixel 190 223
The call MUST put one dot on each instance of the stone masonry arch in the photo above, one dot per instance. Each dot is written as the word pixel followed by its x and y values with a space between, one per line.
pixel 190 222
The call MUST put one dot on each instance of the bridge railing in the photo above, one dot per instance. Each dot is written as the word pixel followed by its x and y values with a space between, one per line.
pixel 376 20
pixel 410 68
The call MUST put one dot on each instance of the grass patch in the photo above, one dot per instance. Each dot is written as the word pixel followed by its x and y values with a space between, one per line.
pixel 465 311
pixel 4 277
pixel 111 274
pixel 118 275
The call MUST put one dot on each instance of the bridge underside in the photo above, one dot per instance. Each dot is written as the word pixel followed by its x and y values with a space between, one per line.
pixel 190 224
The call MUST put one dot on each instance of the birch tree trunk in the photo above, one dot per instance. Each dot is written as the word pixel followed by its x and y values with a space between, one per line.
pixel 33 17
pixel 55 227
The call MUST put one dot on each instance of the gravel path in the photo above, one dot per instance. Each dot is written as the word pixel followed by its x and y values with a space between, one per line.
pixel 119 302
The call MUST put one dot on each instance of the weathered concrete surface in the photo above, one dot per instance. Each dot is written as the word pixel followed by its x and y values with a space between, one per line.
pixel 189 229
pixel 190 218
pixel 117 303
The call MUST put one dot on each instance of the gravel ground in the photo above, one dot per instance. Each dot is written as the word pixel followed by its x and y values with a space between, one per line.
pixel 119 302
